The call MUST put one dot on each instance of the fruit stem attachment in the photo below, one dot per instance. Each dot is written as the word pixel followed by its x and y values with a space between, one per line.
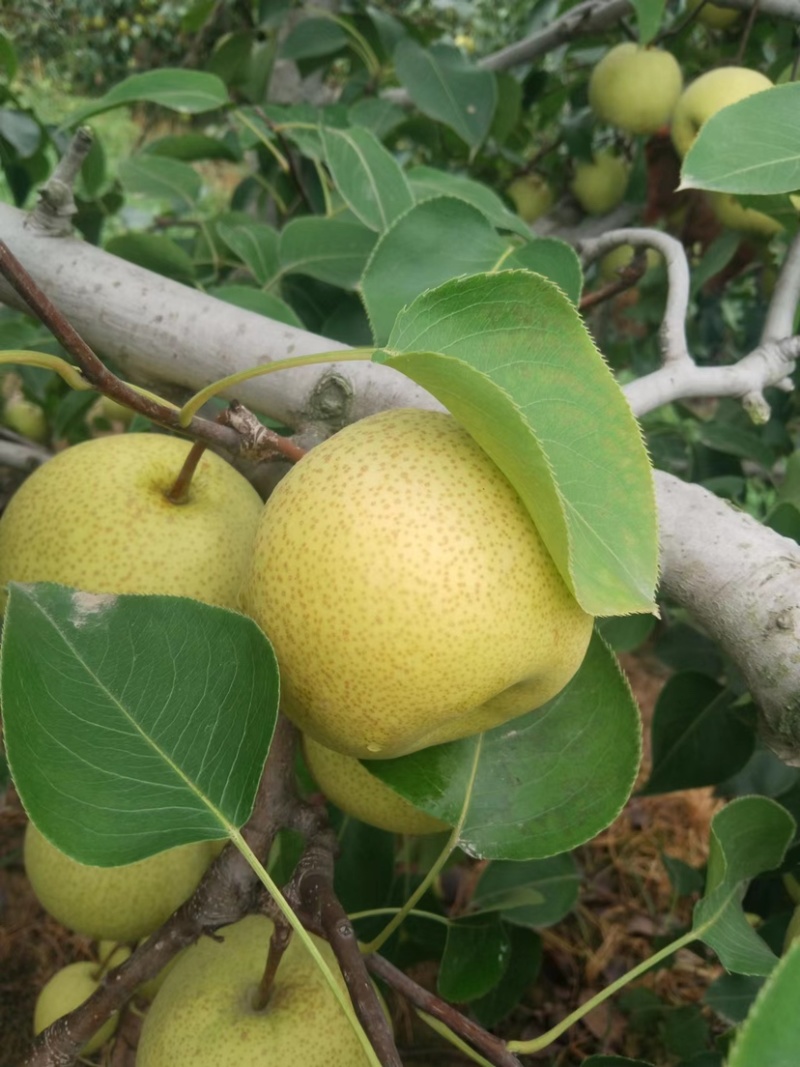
pixel 179 492
pixel 278 943
pixel 194 403
pixel 441 859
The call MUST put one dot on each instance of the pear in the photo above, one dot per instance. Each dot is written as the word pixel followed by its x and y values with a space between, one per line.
pixel 113 903
pixel 714 16
pixel 407 592
pixel 67 990
pixel 707 95
pixel 204 1014
pixel 26 418
pixel 600 184
pixel 532 196
pixel 634 88
pixel 352 788
pixel 745 219
pixel 96 517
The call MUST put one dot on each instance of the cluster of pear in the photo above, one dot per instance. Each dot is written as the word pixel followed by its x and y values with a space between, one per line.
pixel 406 591
pixel 639 90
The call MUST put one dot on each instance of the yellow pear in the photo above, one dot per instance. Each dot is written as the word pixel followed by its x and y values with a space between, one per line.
pixel 746 219
pixel 532 196
pixel 600 185
pixel 67 990
pixel 707 95
pixel 408 594
pixel 352 788
pixel 26 418
pixel 96 517
pixel 203 1015
pixel 634 88
pixel 714 16
pixel 113 903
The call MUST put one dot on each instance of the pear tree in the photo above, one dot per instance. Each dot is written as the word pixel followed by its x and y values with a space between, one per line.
pixel 492 460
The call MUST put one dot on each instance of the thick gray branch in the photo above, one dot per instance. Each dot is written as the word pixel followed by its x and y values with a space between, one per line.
pixel 741 581
pixel 160 331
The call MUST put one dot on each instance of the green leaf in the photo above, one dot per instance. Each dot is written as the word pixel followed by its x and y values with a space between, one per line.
pixel 155 252
pixel 435 241
pixel 447 87
pixel 427 182
pixel 784 518
pixel 22 132
pixel 731 996
pixel 331 250
pixel 698 738
pixel 8 57
pixel 683 878
pixel 255 243
pixel 752 146
pixel 649 14
pixel 132 723
pixel 509 356
pixel 190 92
pixel 735 441
pixel 532 797
pixel 163 179
pixel 626 632
pixel 552 258
pixel 314 37
pixel 476 955
pixel 367 176
pixel 523 967
pixel 749 836
pixel 771 1033
pixel 192 146
pixel 537 893
pixel 376 114
pixel 267 304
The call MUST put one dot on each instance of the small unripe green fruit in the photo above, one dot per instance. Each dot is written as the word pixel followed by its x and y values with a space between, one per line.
pixel 600 185
pixel 67 990
pixel 26 418
pixel 203 1015
pixel 634 88
pixel 714 16
pixel 113 903
pixel 96 517
pixel 407 592
pixel 532 196
pixel 707 95
pixel 745 219
pixel 352 788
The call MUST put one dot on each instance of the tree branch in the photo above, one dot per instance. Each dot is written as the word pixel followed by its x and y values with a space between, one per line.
pixel 782 310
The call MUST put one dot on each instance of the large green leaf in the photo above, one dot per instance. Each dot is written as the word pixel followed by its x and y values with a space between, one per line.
pixel 331 250
pixel 749 836
pixel 162 178
pixel 536 893
pixel 770 1036
pixel 190 92
pixel 752 146
pixel 509 356
pixel 446 86
pixel 545 782
pixel 366 175
pixel 133 723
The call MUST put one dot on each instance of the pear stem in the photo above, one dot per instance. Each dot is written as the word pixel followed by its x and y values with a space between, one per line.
pixel 278 943
pixel 179 492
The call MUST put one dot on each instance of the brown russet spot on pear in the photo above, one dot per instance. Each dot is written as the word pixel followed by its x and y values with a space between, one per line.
pixel 95 517
pixel 407 592
pixel 203 1015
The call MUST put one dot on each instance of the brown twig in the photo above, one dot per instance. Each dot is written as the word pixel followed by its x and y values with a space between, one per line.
pixel 98 375
pixel 278 943
pixel 629 276
pixel 180 487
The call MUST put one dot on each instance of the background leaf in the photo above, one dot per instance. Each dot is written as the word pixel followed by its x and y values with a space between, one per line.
pixel 255 243
pixel 723 156
pixel 169 180
pixel 154 251
pixel 367 176
pixel 771 1033
pixel 535 893
pixel 649 14
pixel 476 955
pixel 332 250
pixel 532 797
pixel 556 424
pixel 190 92
pixel 245 296
pixel 133 723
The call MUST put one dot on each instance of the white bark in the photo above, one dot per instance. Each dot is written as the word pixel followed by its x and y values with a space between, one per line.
pixel 738 578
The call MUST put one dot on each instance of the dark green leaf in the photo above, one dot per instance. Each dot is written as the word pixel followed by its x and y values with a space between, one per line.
pixel 649 14
pixel 684 648
pixel 367 176
pixel 190 92
pixel 267 304
pixel 446 86
pixel 133 723
pixel 683 878
pixel 698 738
pixel 510 358
pixel 770 1036
pixel 365 868
pixel 785 520
pixel 735 441
pixel 748 837
pixel 192 146
pixel 376 114
pixel 255 243
pixel 626 632
pixel 329 249
pixel 532 797
pixel 555 260
pixel 164 179
pixel 8 57
pixel 535 893
pixel 314 37
pixel 685 1031
pixel 22 132
pixel 155 252
pixel 476 955
pixel 521 972
pixel 428 182
pixel 731 996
